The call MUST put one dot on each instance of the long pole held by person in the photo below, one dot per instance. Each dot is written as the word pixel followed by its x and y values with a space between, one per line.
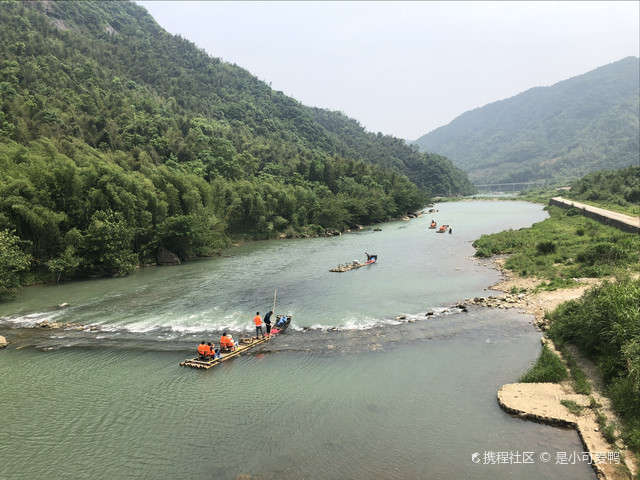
pixel 274 301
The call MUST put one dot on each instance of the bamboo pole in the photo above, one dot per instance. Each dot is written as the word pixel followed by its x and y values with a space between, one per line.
pixel 274 301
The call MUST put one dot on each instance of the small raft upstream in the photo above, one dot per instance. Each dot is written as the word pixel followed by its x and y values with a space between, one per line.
pixel 351 266
pixel 245 344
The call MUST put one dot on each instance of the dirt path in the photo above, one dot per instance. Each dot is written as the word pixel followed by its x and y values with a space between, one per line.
pixel 542 401
pixel 626 220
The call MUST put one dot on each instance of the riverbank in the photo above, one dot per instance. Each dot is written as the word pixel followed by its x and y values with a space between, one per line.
pixel 545 402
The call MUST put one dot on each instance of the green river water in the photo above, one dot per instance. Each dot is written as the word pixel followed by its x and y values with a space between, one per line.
pixel 348 392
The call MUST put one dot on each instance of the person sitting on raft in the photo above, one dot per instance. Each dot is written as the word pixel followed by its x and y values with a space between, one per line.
pixel 203 349
pixel 227 343
pixel 281 321
pixel 215 352
pixel 207 351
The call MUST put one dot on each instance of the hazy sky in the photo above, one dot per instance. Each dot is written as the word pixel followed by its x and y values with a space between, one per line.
pixel 406 68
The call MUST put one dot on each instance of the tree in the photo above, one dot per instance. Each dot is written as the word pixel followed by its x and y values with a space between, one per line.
pixel 107 245
pixel 13 261
pixel 66 264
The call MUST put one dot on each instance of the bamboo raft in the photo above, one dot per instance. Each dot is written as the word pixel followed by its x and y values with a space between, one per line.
pixel 351 266
pixel 244 345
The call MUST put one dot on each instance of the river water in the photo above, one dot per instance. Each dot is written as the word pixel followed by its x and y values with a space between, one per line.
pixel 351 391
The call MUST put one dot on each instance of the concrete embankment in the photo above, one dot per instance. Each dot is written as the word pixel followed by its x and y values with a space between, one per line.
pixel 620 221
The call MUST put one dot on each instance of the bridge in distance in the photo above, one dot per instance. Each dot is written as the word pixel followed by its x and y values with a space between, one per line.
pixel 510 187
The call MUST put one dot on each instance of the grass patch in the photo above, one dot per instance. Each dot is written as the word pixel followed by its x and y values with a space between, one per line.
pixel 572 406
pixel 556 284
pixel 579 380
pixel 563 247
pixel 608 429
pixel 517 290
pixel 548 368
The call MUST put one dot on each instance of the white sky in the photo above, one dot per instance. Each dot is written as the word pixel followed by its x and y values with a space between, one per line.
pixel 406 68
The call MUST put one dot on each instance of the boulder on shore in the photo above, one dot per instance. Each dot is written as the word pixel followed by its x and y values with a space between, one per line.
pixel 3 342
pixel 166 257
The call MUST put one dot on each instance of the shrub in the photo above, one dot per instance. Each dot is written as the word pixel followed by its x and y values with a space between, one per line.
pixel 545 248
pixel 548 368
pixel 605 326
pixel 13 261
pixel 605 252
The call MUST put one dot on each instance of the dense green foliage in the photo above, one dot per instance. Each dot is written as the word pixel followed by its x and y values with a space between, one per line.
pixel 548 368
pixel 563 247
pixel 616 190
pixel 605 325
pixel 612 189
pixel 117 138
pixel 12 262
pixel 433 173
pixel 558 133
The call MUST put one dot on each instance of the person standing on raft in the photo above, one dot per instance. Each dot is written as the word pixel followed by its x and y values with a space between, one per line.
pixel 258 322
pixel 267 322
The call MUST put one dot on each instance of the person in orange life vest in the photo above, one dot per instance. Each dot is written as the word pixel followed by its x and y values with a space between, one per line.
pixel 203 349
pixel 227 343
pixel 231 341
pixel 258 321
pixel 213 352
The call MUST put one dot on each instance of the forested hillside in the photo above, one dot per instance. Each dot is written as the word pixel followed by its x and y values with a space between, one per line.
pixel 434 173
pixel 560 133
pixel 117 138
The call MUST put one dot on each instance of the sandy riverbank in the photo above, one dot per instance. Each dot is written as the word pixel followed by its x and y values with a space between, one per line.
pixel 542 401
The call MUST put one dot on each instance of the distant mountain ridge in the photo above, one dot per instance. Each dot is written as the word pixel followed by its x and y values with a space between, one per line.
pixel 583 124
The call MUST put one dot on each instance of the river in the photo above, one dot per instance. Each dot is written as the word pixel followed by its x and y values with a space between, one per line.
pixel 363 385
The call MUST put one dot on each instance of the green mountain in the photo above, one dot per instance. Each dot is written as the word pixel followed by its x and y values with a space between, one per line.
pixel 558 133
pixel 117 139
pixel 435 174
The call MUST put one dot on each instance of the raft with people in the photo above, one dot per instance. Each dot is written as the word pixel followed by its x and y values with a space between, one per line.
pixel 433 224
pixel 442 229
pixel 355 264
pixel 238 348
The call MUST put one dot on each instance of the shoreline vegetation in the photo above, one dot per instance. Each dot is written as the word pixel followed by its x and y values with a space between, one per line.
pixel 580 281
